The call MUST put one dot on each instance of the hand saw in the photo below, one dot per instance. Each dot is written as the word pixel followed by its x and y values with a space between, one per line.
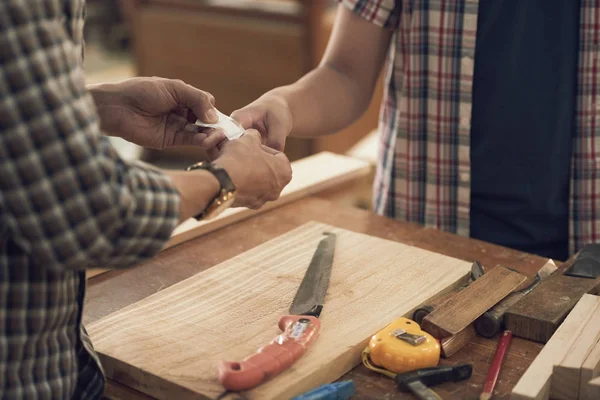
pixel 299 329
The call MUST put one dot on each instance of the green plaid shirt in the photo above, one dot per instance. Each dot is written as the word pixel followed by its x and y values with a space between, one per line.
pixel 424 171
pixel 67 202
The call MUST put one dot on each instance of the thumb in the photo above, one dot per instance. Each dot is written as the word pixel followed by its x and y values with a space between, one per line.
pixel 244 116
pixel 254 135
pixel 200 102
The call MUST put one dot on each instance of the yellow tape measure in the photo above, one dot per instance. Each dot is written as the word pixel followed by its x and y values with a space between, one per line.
pixel 401 347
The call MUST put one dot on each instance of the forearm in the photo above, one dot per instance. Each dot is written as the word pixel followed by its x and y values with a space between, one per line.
pixel 324 101
pixel 339 91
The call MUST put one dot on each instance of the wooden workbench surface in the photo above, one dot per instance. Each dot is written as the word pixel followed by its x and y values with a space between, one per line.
pixel 114 290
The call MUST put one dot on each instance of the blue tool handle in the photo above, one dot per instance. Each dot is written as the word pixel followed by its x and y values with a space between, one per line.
pixel 334 391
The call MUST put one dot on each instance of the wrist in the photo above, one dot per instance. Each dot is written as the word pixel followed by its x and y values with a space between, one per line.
pixel 280 98
pixel 103 93
pixel 197 188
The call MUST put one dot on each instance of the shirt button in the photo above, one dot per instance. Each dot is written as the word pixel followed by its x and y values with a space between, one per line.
pixel 465 177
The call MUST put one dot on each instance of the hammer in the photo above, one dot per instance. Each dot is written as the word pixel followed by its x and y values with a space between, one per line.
pixel 419 381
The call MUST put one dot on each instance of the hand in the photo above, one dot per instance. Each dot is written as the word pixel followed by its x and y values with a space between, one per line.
pixel 271 116
pixel 157 113
pixel 258 172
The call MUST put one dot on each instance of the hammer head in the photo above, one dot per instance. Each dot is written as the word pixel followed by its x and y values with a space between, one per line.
pixel 433 376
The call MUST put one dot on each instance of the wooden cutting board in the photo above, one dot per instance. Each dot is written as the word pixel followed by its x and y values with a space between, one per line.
pixel 168 344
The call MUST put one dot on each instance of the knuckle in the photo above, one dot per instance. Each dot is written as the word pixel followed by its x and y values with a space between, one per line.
pixel 273 196
pixel 208 96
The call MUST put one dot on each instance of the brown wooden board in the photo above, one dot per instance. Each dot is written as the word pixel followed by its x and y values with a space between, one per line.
pixel 467 305
pixel 117 289
pixel 538 315
pixel 168 344
pixel 450 345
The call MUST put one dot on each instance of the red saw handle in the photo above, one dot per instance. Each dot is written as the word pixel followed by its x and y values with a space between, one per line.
pixel 298 332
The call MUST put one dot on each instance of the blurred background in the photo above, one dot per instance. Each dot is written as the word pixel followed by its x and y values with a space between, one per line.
pixel 235 49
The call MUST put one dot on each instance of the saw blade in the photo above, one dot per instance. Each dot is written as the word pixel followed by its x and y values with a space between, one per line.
pixel 311 293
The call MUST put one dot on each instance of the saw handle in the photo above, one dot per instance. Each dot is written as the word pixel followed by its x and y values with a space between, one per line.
pixel 298 332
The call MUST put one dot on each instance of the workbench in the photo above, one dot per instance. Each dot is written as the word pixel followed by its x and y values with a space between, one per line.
pixel 114 290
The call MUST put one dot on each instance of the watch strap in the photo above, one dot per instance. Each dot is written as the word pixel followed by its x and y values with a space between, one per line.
pixel 226 191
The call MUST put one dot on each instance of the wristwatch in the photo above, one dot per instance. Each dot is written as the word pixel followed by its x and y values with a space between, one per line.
pixel 226 195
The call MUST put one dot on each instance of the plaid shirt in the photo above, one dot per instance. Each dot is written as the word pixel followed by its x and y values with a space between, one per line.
pixel 67 202
pixel 424 167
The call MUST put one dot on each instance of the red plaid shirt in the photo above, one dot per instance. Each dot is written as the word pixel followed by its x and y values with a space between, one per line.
pixel 424 168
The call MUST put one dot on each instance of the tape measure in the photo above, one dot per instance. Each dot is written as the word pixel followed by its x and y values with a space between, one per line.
pixel 401 347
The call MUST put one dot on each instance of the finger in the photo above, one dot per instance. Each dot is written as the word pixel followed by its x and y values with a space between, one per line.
pixel 269 150
pixel 214 138
pixel 276 142
pixel 213 153
pixel 252 135
pixel 244 117
pixel 201 103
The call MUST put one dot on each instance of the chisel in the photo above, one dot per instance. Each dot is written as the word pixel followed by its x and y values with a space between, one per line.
pixel 490 323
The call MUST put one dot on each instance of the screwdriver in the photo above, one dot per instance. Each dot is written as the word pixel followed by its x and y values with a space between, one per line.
pixel 333 391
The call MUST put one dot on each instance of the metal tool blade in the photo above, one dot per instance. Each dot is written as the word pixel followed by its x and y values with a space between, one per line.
pixel 422 391
pixel 313 288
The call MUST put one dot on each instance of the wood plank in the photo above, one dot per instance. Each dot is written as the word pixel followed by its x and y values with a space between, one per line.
pixel 538 315
pixel 594 389
pixel 310 175
pixel 450 345
pixel 116 391
pixel 566 375
pixel 535 382
pixel 230 310
pixel 467 305
pixel 589 371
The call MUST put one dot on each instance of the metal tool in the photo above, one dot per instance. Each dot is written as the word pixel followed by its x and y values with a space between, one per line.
pixel 423 311
pixel 491 323
pixel 587 262
pixel 419 381
pixel 299 329
pixel 231 128
pixel 333 391
pixel 400 347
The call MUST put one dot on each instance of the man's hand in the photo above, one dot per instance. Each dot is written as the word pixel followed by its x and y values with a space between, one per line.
pixel 259 172
pixel 271 116
pixel 156 112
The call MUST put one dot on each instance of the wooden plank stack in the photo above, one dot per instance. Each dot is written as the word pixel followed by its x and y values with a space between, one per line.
pixel 570 360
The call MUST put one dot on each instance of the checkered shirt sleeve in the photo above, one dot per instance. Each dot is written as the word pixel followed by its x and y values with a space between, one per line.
pixel 65 195
pixel 384 13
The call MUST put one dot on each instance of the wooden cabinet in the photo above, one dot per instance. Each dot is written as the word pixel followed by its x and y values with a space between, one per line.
pixel 238 50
